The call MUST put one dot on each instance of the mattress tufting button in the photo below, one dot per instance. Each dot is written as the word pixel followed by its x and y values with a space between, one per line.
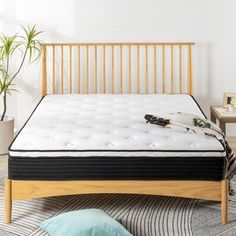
pixel 111 144
pixel 131 138
pixel 28 145
pixel 174 137
pixel 194 145
pixel 70 144
pixel 152 145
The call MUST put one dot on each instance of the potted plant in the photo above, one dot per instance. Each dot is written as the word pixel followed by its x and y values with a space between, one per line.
pixel 20 46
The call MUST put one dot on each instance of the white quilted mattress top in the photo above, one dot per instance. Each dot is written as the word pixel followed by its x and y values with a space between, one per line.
pixel 110 125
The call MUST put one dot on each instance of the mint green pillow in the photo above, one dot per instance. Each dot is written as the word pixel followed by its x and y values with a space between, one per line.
pixel 88 222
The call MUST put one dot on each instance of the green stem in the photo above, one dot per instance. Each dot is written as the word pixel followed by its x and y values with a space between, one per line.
pixel 5 93
pixel 4 105
pixel 22 62
pixel 13 77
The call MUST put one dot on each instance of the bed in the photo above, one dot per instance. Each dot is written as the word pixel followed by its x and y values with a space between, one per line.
pixel 98 142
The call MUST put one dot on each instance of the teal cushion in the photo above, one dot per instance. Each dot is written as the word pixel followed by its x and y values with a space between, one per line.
pixel 88 222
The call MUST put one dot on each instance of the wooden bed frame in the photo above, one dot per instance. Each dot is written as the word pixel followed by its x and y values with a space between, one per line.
pixel 179 56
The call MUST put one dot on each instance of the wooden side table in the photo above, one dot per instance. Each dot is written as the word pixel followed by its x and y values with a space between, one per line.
pixel 218 113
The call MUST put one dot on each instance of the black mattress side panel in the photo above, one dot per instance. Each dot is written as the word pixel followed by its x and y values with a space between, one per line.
pixel 116 168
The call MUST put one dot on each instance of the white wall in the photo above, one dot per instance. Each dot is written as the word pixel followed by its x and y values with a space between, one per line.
pixel 210 23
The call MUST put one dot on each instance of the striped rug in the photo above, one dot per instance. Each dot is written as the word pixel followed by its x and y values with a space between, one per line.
pixel 142 215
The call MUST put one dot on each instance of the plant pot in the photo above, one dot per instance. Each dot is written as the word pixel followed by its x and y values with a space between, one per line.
pixel 6 134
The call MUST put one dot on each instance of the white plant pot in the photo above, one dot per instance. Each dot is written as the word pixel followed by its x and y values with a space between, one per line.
pixel 6 134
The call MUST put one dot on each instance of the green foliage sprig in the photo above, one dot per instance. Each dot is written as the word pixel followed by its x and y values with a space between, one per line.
pixel 26 44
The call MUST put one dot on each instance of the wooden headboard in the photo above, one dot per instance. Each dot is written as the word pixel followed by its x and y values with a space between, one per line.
pixel 164 67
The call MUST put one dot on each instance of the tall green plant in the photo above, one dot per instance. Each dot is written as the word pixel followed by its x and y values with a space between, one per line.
pixel 22 46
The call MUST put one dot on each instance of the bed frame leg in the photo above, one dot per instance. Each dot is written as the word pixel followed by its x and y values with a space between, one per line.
pixel 224 201
pixel 8 200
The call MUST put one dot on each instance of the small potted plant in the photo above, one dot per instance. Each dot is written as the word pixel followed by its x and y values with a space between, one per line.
pixel 20 46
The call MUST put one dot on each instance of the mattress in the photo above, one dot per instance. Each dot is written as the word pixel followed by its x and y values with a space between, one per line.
pixel 105 136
